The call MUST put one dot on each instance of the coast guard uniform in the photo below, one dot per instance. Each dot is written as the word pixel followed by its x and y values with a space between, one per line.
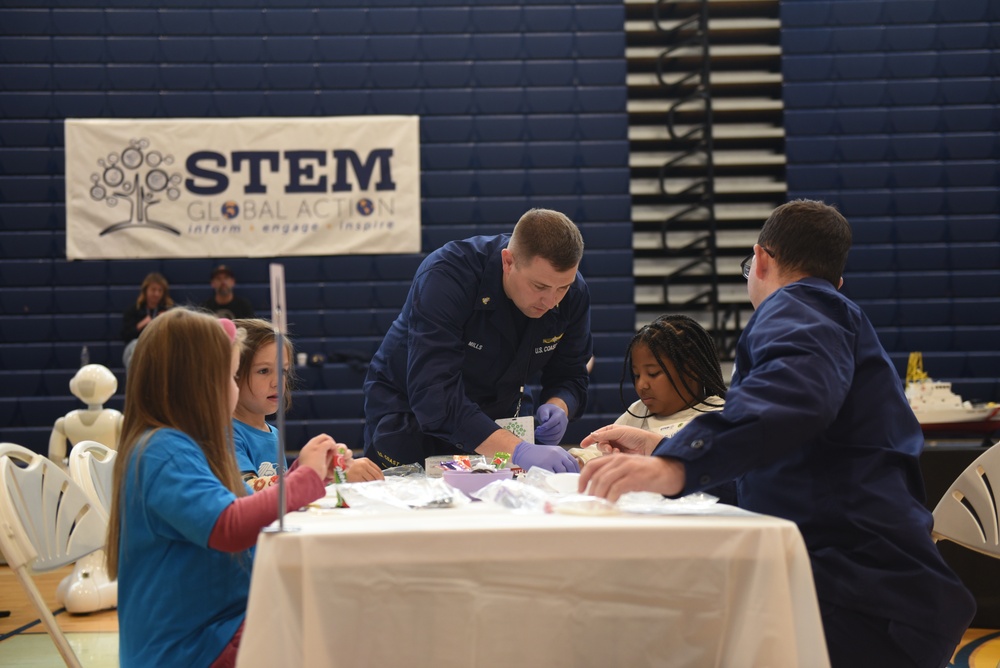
pixel 457 357
pixel 818 431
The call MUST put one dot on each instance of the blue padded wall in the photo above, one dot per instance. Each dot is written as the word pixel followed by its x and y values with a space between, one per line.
pixel 522 105
pixel 892 114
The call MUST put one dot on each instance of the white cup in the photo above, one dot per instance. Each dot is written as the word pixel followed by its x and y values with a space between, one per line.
pixel 302 358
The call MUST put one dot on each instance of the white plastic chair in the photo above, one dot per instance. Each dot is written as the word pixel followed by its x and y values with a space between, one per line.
pixel 968 513
pixel 92 465
pixel 46 522
pixel 88 588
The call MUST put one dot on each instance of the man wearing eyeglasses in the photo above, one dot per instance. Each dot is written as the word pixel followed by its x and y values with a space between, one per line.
pixel 816 429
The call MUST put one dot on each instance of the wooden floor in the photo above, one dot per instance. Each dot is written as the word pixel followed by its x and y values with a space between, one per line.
pixel 13 599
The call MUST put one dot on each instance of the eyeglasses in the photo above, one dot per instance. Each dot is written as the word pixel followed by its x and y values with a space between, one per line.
pixel 745 264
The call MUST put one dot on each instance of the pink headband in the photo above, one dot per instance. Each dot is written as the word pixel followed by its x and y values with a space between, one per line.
pixel 230 328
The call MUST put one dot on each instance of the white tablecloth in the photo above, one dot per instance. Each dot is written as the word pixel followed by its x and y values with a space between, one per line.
pixel 480 586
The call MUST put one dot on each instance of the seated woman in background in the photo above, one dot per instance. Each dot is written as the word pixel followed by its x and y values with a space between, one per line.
pixel 154 298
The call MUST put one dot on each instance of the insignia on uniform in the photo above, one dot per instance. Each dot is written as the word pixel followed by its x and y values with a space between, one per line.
pixel 554 339
pixel 486 300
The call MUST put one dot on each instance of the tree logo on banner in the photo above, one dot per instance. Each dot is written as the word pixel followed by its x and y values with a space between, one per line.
pixel 138 177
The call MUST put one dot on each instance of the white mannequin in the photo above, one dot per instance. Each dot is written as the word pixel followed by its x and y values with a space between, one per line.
pixel 88 587
pixel 93 384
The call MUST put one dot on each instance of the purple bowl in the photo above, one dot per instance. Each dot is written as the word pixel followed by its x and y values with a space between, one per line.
pixel 469 482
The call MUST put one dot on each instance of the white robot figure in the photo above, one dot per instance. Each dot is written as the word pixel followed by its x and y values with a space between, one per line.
pixel 93 384
pixel 88 588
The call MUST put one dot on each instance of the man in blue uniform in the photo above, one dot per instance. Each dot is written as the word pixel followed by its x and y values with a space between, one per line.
pixel 816 429
pixel 482 316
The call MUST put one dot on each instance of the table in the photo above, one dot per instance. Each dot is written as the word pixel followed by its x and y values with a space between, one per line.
pixel 481 586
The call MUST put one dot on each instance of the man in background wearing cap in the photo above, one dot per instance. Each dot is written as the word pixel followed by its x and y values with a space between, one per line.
pixel 224 303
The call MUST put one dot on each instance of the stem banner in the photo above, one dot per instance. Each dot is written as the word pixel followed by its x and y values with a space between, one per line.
pixel 242 187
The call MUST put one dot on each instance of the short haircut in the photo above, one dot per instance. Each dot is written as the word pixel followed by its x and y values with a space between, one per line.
pixel 689 346
pixel 257 334
pixel 549 235
pixel 809 237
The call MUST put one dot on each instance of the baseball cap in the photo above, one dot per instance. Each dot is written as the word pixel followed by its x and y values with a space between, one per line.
pixel 222 269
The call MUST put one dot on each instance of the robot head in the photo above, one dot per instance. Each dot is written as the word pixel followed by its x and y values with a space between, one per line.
pixel 93 384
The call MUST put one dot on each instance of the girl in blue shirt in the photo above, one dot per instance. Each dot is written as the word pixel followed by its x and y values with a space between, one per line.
pixel 183 524
pixel 256 440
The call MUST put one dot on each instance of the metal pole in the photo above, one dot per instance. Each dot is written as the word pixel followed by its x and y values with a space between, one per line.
pixel 280 323
pixel 279 339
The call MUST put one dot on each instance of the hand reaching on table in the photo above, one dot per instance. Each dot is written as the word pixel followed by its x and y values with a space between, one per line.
pixel 549 457
pixel 363 470
pixel 610 477
pixel 619 438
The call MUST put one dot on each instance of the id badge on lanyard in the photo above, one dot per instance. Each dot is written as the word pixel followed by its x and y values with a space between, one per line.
pixel 522 427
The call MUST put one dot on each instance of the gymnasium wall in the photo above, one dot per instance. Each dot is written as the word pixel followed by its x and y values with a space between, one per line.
pixel 521 104
pixel 891 113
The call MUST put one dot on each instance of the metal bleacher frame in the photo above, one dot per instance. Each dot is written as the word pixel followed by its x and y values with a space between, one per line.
pixel 707 153
pixel 693 145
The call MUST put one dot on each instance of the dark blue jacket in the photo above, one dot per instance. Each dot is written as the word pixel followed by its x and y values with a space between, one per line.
pixel 818 431
pixel 452 361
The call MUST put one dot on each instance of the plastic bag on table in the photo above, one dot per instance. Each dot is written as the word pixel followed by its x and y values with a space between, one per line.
pixel 404 471
pixel 552 483
pixel 513 494
pixel 650 503
pixel 537 477
pixel 408 492
pixel 580 504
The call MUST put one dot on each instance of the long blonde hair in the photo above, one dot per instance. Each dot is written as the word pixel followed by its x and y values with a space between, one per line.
pixel 178 378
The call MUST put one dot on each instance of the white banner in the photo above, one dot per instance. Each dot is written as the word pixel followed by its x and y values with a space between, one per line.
pixel 242 187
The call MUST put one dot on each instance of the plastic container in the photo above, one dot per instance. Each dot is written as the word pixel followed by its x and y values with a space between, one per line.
pixel 431 467
pixel 469 482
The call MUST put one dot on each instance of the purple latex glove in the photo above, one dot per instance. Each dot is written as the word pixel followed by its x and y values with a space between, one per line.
pixel 551 421
pixel 549 457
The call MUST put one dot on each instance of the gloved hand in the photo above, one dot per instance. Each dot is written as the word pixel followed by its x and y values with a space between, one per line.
pixel 551 421
pixel 549 457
